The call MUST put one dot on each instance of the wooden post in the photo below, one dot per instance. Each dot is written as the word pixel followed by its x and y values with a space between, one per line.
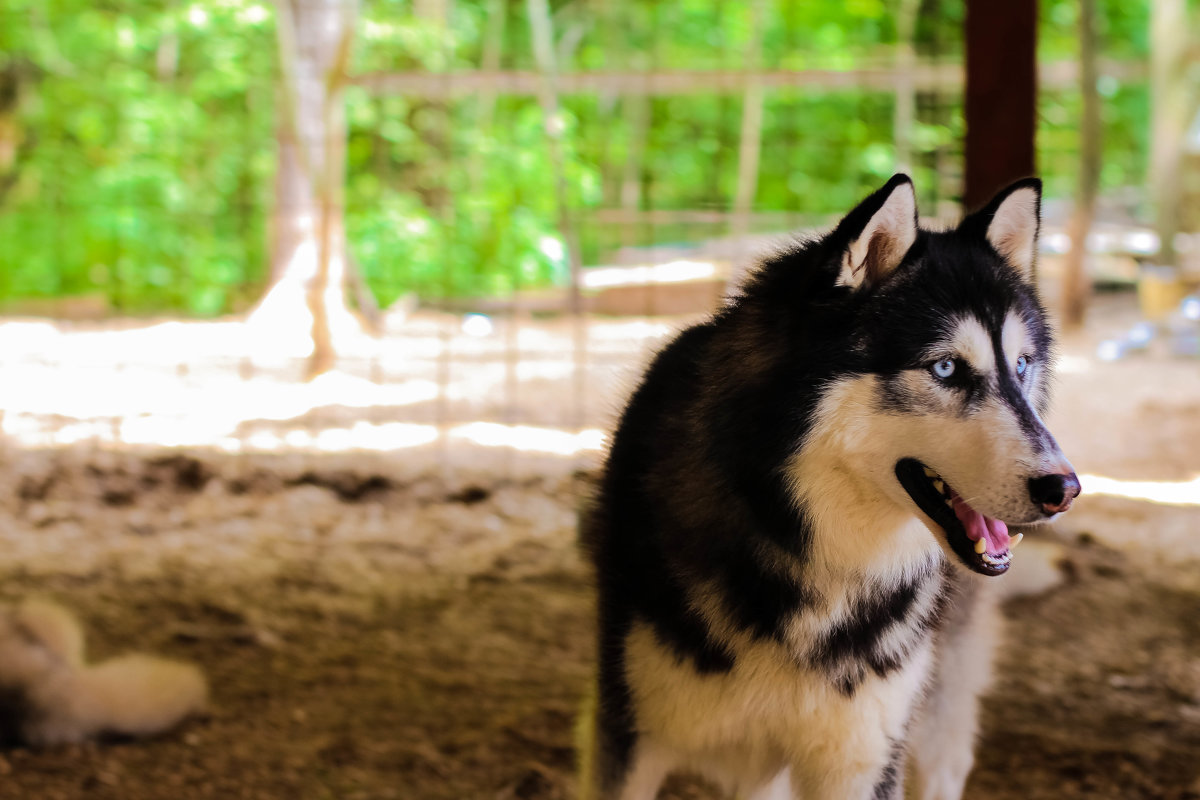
pixel 308 236
pixel 1169 117
pixel 542 30
pixel 750 138
pixel 1001 96
pixel 493 50
pixel 906 93
pixel 1075 284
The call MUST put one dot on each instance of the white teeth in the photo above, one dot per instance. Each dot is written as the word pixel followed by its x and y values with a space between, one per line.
pixel 949 502
pixel 1014 541
pixel 981 546
pixel 941 487
pixel 930 473
pixel 997 561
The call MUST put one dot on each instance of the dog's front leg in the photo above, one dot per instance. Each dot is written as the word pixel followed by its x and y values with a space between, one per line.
pixel 853 779
pixel 862 768
pixel 942 737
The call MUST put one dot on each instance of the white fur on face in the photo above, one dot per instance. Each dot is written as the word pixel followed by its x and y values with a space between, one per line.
pixel 984 453
pixel 1013 231
pixel 1015 340
pixel 970 341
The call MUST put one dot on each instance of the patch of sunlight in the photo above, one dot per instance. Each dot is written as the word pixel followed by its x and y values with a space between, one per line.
pixel 1073 365
pixel 1172 493
pixel 158 408
pixel 529 438
pixel 673 272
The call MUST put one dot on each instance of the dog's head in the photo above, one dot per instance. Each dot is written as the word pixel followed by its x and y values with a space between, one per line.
pixel 951 358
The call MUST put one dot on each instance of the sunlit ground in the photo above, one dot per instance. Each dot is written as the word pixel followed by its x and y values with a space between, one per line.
pixel 213 384
pixel 443 383
pixel 379 569
pixel 1173 493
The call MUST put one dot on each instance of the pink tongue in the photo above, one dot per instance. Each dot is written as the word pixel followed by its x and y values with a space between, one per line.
pixel 979 527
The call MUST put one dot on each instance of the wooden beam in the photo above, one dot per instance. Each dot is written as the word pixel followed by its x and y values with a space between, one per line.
pixel 946 77
pixel 1001 96
pixel 656 217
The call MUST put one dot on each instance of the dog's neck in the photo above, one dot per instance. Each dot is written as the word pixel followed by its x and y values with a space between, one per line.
pixel 856 531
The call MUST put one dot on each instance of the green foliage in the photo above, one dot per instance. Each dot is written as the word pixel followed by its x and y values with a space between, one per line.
pixel 141 153
pixel 146 166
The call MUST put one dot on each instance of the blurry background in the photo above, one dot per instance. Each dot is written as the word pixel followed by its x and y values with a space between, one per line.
pixel 313 315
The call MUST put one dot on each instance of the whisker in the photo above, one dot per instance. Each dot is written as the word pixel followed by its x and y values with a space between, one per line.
pixel 970 501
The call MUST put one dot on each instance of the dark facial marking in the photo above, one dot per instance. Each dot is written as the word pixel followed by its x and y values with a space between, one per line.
pixel 1011 390
pixel 967 380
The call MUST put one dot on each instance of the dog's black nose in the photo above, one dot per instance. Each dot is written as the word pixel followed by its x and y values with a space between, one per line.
pixel 1054 493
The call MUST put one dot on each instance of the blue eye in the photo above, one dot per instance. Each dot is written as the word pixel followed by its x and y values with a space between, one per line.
pixel 943 369
pixel 1022 365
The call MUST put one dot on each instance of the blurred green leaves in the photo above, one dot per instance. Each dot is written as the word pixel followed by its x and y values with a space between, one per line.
pixel 147 170
pixel 141 153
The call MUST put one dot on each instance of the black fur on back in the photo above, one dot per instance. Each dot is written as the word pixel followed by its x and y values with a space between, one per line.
pixel 693 489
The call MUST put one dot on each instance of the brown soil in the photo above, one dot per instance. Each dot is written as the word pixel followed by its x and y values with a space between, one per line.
pixel 374 632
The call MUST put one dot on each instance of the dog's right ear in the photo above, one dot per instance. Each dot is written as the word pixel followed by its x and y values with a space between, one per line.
pixel 1011 222
pixel 878 233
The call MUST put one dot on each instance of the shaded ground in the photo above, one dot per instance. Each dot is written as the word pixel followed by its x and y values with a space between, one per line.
pixel 375 629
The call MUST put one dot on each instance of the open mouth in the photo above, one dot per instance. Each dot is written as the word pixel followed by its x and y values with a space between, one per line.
pixel 982 543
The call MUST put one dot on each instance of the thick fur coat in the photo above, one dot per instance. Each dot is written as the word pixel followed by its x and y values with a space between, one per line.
pixel 796 503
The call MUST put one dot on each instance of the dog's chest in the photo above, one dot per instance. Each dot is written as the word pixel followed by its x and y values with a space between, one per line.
pixel 769 708
pixel 869 628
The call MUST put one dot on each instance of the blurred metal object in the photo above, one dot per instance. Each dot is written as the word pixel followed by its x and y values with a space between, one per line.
pixel 1179 329
pixel 1160 291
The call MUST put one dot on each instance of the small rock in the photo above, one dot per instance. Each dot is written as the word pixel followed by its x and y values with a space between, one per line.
pixel 38 514
pixel 1129 681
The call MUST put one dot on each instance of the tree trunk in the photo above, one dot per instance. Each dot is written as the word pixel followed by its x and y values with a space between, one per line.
pixel 1169 109
pixel 485 105
pixel 542 33
pixel 1076 286
pixel 307 299
pixel 750 136
pixel 541 29
pixel 905 113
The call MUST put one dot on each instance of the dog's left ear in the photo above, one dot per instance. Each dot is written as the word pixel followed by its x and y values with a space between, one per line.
pixel 1011 222
pixel 878 233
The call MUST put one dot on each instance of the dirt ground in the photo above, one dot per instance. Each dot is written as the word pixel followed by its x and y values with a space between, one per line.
pixel 377 627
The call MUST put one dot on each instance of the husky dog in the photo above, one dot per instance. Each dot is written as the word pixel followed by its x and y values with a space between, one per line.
pixel 49 695
pixel 798 505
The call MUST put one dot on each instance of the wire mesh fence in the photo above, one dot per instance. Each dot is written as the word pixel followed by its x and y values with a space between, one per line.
pixel 531 198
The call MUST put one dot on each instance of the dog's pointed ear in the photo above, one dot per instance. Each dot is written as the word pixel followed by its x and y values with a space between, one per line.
pixel 878 233
pixel 1011 223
